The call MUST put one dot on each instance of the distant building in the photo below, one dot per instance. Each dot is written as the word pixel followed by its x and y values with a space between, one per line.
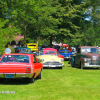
pixel 17 40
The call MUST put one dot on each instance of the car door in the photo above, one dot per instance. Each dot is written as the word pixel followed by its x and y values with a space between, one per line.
pixel 37 65
pixel 78 56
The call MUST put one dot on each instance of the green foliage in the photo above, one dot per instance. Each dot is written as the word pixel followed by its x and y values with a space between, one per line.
pixel 6 34
pixel 63 20
pixel 94 11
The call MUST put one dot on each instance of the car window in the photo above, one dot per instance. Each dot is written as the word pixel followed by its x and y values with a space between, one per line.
pixel 89 50
pixel 15 58
pixel 34 59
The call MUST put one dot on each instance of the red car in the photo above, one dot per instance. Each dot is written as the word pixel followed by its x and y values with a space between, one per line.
pixel 21 65
pixel 52 49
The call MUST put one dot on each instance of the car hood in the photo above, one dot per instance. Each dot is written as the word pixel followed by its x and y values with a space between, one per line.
pixel 49 57
pixel 91 55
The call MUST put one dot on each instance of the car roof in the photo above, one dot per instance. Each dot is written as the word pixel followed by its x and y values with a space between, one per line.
pixel 21 47
pixel 18 54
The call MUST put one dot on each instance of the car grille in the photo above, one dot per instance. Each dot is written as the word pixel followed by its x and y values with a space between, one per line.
pixel 52 63
pixel 96 62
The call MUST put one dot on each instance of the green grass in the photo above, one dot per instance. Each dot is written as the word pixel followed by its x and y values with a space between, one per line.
pixel 57 84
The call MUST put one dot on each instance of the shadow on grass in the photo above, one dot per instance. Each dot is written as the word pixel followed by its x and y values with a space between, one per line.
pixel 87 68
pixel 15 82
pixel 66 59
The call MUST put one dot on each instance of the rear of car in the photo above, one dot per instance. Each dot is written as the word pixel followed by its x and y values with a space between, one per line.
pixel 22 50
pixel 15 66
pixel 33 47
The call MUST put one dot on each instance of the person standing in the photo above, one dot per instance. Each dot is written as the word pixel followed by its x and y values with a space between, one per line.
pixel 7 49
pixel 70 49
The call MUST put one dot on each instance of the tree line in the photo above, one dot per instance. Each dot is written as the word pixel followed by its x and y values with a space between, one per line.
pixel 60 20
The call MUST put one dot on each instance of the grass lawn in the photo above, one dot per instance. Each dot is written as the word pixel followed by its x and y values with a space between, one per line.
pixel 56 84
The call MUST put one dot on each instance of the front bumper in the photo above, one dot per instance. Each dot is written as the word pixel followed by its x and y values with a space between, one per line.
pixel 91 65
pixel 53 65
pixel 15 75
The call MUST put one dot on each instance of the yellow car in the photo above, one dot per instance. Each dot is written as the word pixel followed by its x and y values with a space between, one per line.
pixel 32 46
pixel 50 59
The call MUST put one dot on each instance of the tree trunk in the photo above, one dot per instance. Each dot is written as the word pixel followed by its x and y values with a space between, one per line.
pixel 51 41
pixel 37 42
pixel 25 37
pixel 95 40
pixel 62 45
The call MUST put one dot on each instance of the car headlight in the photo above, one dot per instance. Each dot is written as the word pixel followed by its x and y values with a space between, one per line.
pixel 42 60
pixel 87 59
pixel 94 57
pixel 62 60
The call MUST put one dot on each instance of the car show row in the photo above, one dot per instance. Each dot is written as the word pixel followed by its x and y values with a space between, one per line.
pixel 28 65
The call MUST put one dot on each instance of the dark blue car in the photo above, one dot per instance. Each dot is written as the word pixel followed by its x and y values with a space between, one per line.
pixel 66 53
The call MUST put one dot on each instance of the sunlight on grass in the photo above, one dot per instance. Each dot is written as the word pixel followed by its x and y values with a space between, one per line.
pixel 56 84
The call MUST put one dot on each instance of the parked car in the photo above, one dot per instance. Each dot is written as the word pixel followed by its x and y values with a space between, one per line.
pixel 22 50
pixel 86 56
pixel 52 50
pixel 66 53
pixel 32 46
pixel 50 59
pixel 19 65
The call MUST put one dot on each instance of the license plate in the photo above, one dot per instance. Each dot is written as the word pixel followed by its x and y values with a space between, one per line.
pixel 9 76
pixel 52 66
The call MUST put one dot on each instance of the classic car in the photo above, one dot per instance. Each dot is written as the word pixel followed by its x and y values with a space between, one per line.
pixel 50 59
pixel 86 56
pixel 21 66
pixel 22 50
pixel 32 46
pixel 66 53
pixel 52 50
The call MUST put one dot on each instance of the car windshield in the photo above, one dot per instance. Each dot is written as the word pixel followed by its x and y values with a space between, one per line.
pixel 26 50
pixel 15 58
pixel 23 50
pixel 89 50
pixel 47 52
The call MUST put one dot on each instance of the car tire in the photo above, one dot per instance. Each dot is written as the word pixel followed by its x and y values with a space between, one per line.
pixel 81 65
pixel 31 80
pixel 39 77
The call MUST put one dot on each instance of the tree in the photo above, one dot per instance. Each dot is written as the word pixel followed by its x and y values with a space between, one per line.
pixel 6 34
pixel 23 15
pixel 6 31
pixel 94 13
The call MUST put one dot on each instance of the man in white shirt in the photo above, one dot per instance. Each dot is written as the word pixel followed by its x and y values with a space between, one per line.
pixel 7 50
